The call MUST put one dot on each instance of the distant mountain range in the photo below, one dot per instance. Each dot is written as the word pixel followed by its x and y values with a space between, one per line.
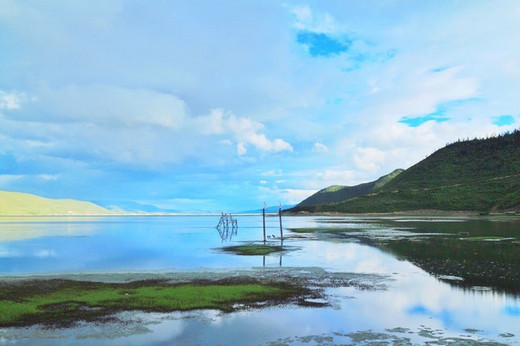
pixel 480 175
pixel 270 209
pixel 25 204
pixel 134 207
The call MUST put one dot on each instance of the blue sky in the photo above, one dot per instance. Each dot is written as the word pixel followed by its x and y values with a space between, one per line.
pixel 222 105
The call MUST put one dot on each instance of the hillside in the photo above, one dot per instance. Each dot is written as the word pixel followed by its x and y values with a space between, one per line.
pixel 339 193
pixel 480 175
pixel 25 204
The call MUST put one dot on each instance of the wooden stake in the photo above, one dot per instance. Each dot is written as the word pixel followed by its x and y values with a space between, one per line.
pixel 280 217
pixel 263 218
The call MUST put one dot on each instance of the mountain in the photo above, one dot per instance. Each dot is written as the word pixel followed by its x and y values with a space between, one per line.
pixel 339 193
pixel 270 209
pixel 481 175
pixel 134 207
pixel 25 204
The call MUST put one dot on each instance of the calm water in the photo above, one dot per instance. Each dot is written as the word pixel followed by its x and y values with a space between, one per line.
pixel 415 307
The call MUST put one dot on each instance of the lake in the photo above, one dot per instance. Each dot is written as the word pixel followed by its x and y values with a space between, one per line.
pixel 401 293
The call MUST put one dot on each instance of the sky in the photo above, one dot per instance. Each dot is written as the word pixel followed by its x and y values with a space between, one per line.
pixel 224 105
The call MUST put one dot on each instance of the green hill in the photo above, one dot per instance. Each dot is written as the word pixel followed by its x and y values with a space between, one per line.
pixel 339 193
pixel 480 175
pixel 25 204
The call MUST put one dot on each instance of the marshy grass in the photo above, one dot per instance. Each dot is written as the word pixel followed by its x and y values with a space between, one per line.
pixel 254 250
pixel 64 302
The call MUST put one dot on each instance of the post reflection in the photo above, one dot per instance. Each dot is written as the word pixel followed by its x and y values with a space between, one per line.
pixel 227 227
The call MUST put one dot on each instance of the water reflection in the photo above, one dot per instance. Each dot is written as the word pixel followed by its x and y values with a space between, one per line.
pixel 273 256
pixel 227 227
pixel 415 306
pixel 22 228
pixel 479 253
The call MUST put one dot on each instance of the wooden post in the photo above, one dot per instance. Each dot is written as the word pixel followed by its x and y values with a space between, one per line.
pixel 280 217
pixel 263 218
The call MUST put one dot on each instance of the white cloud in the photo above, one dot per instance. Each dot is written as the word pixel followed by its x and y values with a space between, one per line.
pixel 273 173
pixel 417 93
pixel 130 126
pixel 335 177
pixel 241 148
pixel 314 180
pixel 512 66
pixel 48 177
pixel 380 143
pixel 245 131
pixel 11 101
pixel 302 15
pixel 368 159
pixel 320 148
pixel 8 179
pixel 307 20
pixel 112 93
pixel 284 195
pixel 226 142
pixel 113 106
pixel 293 196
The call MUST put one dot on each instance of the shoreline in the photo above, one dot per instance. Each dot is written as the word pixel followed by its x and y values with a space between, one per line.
pixel 266 274
pixel 64 300
pixel 425 212
pixel 130 215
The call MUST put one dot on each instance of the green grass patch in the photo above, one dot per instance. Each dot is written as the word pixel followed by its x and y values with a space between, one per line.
pixel 64 302
pixel 333 188
pixel 254 250
pixel 25 204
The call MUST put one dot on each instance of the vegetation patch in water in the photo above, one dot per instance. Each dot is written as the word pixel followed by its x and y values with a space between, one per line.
pixel 252 250
pixel 479 263
pixel 64 302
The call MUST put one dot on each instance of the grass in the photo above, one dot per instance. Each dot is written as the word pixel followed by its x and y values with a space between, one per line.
pixel 333 188
pixel 254 250
pixel 64 302
pixel 25 204
pixel 481 196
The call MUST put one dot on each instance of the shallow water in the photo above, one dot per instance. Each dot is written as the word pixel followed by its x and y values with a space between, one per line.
pixel 415 307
